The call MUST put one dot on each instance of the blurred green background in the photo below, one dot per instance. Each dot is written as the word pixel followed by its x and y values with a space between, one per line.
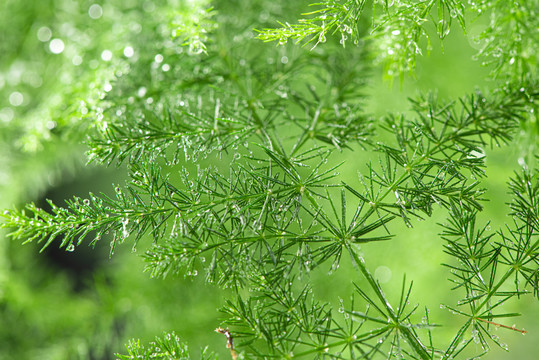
pixel 85 305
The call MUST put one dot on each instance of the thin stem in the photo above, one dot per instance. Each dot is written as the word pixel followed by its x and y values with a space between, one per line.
pixel 501 325
pixel 412 339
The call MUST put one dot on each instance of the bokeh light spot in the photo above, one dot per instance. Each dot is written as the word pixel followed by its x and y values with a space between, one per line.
pixel 56 46
pixel 129 52
pixel 382 274
pixel 44 34
pixel 106 55
pixel 16 98
pixel 95 11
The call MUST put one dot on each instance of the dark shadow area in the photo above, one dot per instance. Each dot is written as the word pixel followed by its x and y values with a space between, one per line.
pixel 85 259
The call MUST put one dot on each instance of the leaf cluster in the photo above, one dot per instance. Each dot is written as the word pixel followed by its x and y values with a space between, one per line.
pixel 488 272
pixel 169 346
pixel 400 30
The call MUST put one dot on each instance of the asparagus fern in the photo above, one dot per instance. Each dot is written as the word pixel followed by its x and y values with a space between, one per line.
pixel 234 153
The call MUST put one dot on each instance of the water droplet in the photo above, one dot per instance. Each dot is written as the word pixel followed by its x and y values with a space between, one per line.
pixel 196 47
pixel 70 248
pixel 125 232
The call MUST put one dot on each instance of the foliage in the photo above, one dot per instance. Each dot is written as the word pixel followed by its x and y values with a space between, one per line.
pixel 233 150
pixel 399 29
pixel 168 347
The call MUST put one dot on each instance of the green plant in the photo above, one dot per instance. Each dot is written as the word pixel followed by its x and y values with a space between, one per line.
pixel 233 150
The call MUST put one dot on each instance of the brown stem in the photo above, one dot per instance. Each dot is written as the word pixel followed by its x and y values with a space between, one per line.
pixel 503 326
pixel 229 343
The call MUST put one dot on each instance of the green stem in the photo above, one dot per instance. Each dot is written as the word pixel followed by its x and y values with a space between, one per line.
pixel 412 339
pixel 318 349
